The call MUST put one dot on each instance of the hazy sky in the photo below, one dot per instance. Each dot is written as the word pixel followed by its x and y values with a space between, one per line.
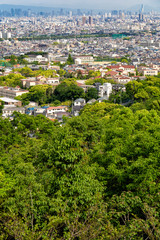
pixel 100 4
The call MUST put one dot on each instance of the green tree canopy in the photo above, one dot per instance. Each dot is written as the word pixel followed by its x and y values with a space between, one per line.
pixel 70 60
pixel 65 92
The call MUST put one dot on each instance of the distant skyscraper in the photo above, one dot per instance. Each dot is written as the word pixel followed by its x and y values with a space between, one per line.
pixel 129 13
pixel 105 15
pixel 12 12
pixel 61 12
pixel 142 9
pixel 29 12
pixel 79 12
pixel 83 20
pixel 141 18
pixel 114 12
pixel 18 12
pixel 90 20
pixel 78 23
pixel 70 14
pixel 121 14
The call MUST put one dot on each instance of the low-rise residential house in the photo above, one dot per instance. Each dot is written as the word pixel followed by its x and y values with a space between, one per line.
pixel 91 101
pixel 122 79
pixel 29 82
pixel 33 104
pixel 147 71
pixel 10 101
pixel 57 112
pixel 80 102
pixel 38 58
pixel 8 111
pixel 83 59
pixel 41 79
pixel 54 67
pixel 150 72
pixel 124 69
pixel 111 74
pixel 30 110
pixel 78 105
pixel 36 67
pixel 59 116
pixel 138 77
pixel 57 58
pixel 39 110
pixel 53 110
pixel 52 81
pixel 128 69
pixel 154 66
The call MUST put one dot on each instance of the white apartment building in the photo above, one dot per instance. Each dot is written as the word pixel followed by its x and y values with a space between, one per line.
pixel 105 90
pixel 11 92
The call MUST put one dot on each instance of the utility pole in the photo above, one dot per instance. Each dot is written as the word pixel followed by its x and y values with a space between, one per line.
pixel 72 107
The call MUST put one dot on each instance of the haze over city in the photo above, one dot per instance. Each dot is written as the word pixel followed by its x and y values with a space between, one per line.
pixel 101 4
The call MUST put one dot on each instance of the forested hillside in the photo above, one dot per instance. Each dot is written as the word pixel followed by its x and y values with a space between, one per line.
pixel 97 176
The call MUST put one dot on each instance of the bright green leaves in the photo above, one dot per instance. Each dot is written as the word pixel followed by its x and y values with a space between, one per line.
pixel 65 92
pixel 94 177
pixel 6 185
pixel 11 80
pixel 79 201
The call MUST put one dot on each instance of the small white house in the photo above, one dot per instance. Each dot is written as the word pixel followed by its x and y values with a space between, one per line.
pixel 80 102
pixel 105 90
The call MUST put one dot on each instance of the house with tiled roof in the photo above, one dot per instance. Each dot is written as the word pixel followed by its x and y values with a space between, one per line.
pixel 122 79
pixel 57 112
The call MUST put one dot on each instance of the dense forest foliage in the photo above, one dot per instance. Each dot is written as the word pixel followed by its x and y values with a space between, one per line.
pixel 96 176
pixel 45 94
pixel 11 80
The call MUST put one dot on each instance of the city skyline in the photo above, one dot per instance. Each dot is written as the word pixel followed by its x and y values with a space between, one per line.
pixel 116 4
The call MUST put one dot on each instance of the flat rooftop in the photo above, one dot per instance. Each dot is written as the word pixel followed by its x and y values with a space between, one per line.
pixel 6 99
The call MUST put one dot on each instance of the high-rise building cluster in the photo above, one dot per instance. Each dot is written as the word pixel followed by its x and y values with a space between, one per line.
pixel 87 20
pixel 141 16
